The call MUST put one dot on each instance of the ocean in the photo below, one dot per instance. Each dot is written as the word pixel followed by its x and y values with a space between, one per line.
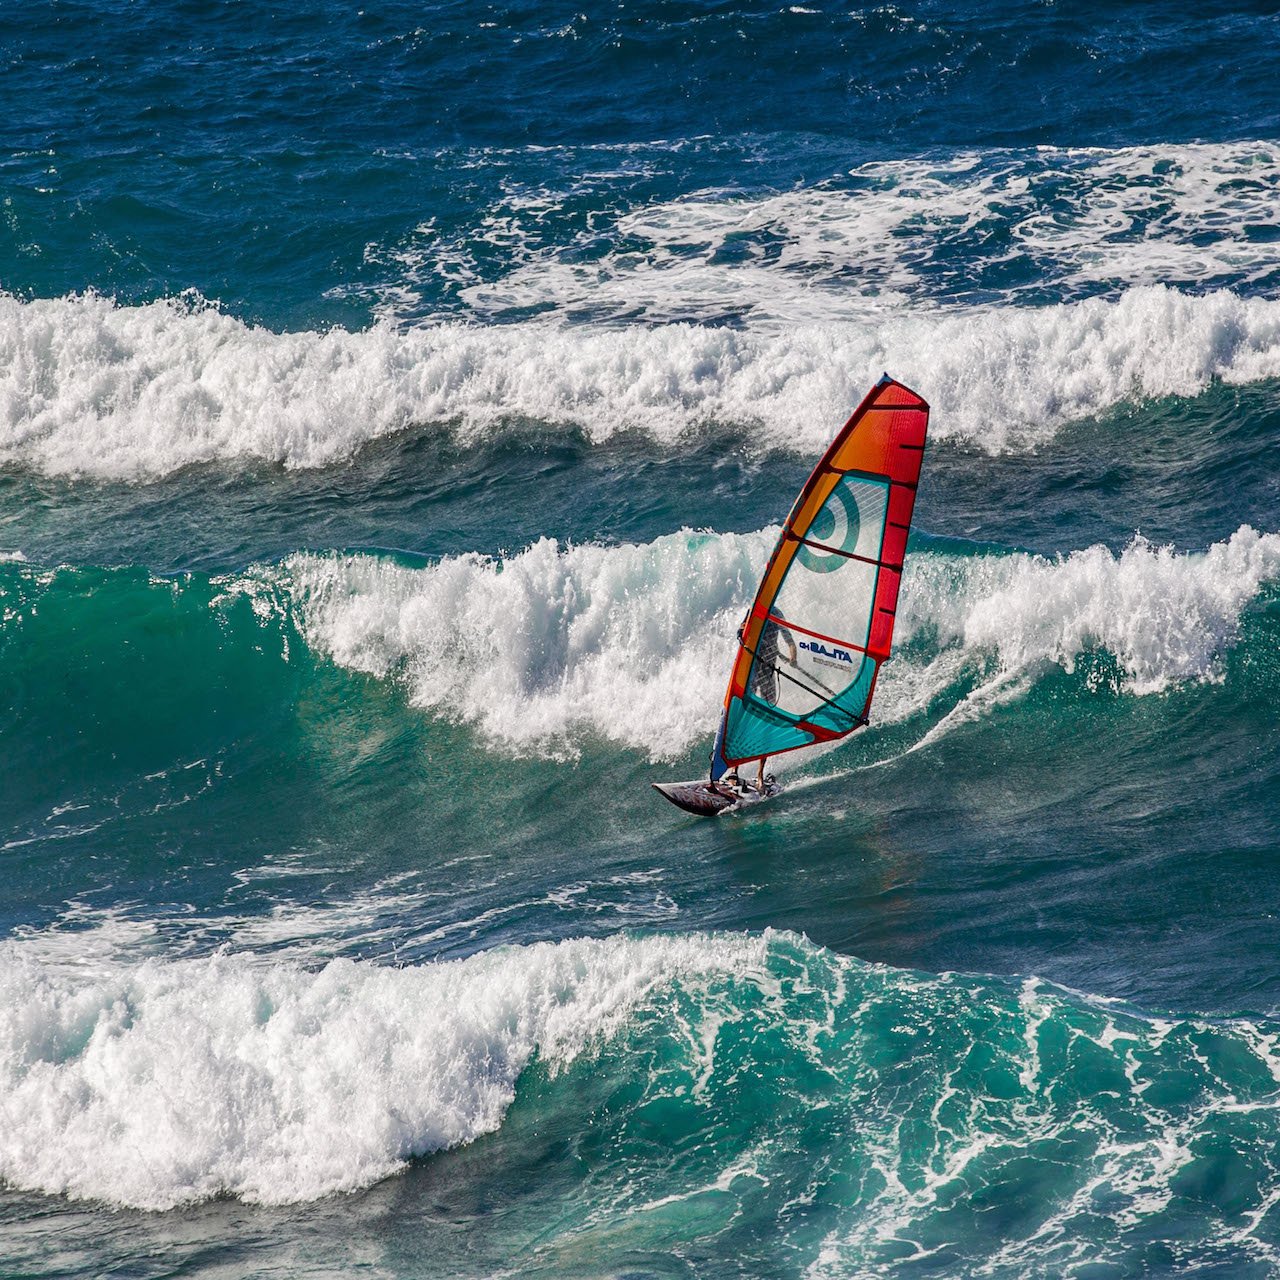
pixel 398 406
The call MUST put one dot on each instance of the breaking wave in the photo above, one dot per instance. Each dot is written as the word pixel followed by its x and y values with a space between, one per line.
pixel 556 646
pixel 631 642
pixel 89 388
pixel 920 1102
pixel 160 1083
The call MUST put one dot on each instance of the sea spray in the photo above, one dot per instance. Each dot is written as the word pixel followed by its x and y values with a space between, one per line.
pixel 160 1083
pixel 1166 616
pixel 631 641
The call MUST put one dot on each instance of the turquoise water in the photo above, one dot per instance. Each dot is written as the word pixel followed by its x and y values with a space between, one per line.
pixel 397 407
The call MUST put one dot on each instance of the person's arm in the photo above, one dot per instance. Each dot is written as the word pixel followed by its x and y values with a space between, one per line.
pixel 785 634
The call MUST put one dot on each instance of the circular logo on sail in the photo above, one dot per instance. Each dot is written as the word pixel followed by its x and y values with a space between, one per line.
pixel 836 525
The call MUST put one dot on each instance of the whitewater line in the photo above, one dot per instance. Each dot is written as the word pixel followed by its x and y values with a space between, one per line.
pixel 93 389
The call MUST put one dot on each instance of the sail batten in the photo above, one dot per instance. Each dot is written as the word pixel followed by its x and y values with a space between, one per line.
pixel 816 635
pixel 834 572
pixel 848 555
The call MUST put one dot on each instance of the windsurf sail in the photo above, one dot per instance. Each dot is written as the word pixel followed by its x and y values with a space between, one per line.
pixel 822 622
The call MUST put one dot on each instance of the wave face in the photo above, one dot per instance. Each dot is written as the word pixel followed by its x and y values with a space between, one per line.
pixel 554 648
pixel 90 388
pixel 920 1104
pixel 262 1068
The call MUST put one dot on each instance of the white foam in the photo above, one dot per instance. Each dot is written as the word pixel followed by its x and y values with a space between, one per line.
pixel 1008 225
pixel 1165 616
pixel 935 267
pixel 632 643
pixel 156 1084
pixel 91 388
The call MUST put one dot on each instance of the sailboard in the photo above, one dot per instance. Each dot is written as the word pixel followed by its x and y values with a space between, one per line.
pixel 821 624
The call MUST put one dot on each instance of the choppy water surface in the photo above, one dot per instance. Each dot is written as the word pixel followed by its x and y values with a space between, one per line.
pixel 397 407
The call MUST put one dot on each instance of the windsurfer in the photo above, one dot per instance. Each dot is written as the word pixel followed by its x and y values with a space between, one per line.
pixel 764 675
pixel 841 599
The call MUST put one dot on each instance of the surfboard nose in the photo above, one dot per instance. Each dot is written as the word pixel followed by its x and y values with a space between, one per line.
pixel 701 798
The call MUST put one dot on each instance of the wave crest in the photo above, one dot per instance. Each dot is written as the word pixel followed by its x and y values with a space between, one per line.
pixel 158 1084
pixel 921 1101
pixel 89 388
pixel 633 642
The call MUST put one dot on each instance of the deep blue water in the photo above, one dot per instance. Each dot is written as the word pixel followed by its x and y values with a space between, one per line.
pixel 397 406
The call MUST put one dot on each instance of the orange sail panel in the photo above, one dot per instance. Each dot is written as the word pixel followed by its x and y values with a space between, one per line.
pixel 822 621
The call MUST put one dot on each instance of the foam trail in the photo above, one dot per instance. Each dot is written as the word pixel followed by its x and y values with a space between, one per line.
pixel 158 1084
pixel 88 388
pixel 912 229
pixel 631 643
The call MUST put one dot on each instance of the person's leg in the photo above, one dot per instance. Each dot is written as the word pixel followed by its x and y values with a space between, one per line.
pixel 764 680
pixel 760 775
